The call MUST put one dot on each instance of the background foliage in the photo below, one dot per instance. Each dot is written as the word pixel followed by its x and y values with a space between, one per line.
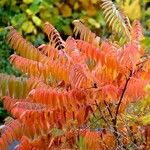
pixel 27 16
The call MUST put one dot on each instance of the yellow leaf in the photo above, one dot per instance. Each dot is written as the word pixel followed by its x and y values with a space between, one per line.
pixel 148 23
pixel 147 88
pixel 91 11
pixel 85 3
pixel 146 1
pixel 132 8
pixel 145 103
pixel 71 2
pixel 76 5
pixel 66 10
pixel 28 27
pixel 94 23
pixel 67 29
pixel 27 1
pixel 3 2
pixel 94 1
pixel 36 20
pixel 29 12
pixel 45 15
pixel 146 120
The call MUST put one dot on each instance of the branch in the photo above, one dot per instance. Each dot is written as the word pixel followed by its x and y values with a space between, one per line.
pixel 108 108
pixel 121 98
pixel 101 114
pixel 116 133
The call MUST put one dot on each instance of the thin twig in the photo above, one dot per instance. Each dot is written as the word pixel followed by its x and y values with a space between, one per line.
pixel 116 133
pixel 101 113
pixel 130 134
pixel 108 108
pixel 121 98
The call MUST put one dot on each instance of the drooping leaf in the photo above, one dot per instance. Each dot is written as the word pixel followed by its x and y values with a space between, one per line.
pixel 116 20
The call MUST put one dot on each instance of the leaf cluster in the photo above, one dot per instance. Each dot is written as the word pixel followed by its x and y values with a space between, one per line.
pixel 82 92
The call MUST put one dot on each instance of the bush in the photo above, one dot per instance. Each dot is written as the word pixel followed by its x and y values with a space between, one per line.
pixel 84 93
pixel 28 15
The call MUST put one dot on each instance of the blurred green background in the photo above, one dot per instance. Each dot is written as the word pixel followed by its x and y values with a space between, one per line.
pixel 27 16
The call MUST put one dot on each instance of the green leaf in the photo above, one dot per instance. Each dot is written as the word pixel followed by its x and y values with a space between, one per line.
pixel 3 113
pixel 148 23
pixel 28 27
pixel 94 23
pixel 67 30
pixel 27 1
pixel 56 132
pixel 34 8
pixel 81 143
pixel 18 19
pixel 145 42
pixel 36 20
